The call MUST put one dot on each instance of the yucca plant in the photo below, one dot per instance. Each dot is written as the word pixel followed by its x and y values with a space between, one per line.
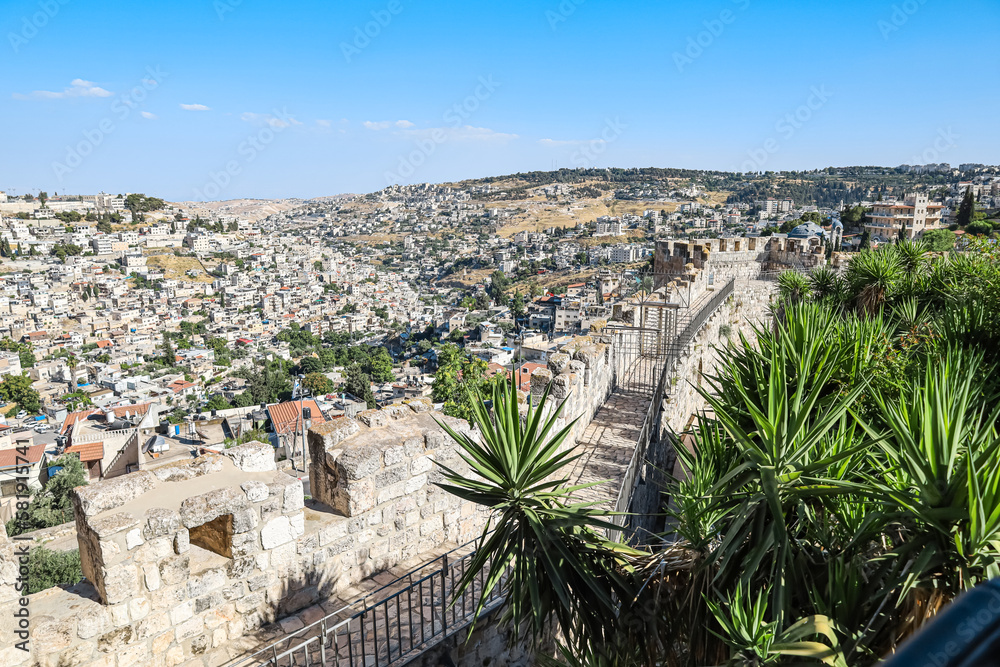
pixel 942 475
pixel 823 282
pixel 793 287
pixel 874 278
pixel 786 453
pixel 754 640
pixel 913 257
pixel 548 549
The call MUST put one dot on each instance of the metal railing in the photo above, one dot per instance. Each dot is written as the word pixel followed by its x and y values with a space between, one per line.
pixel 652 420
pixel 391 625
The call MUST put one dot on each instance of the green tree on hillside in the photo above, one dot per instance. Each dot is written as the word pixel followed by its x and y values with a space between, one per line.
pixel 966 209
pixel 17 389
pixel 359 384
pixel 52 505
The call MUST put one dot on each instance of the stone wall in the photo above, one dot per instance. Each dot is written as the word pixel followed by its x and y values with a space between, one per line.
pixel 581 376
pixel 718 260
pixel 379 471
pixel 748 306
pixel 154 597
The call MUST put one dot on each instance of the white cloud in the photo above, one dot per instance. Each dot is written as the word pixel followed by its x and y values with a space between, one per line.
pixel 194 107
pixel 554 143
pixel 386 124
pixel 147 115
pixel 463 133
pixel 323 123
pixel 77 88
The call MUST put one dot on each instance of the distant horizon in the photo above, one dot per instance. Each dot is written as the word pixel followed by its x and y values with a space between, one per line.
pixel 213 101
pixel 153 193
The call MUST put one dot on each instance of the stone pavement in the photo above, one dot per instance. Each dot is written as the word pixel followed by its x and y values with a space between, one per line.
pixel 395 616
pixel 607 446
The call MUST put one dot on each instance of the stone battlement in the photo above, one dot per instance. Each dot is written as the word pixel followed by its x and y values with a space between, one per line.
pixel 185 564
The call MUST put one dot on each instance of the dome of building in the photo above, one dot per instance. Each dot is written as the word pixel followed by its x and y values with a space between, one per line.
pixel 805 231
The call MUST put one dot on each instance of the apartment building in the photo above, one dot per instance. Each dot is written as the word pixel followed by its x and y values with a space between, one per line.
pixel 772 206
pixel 108 245
pixel 912 217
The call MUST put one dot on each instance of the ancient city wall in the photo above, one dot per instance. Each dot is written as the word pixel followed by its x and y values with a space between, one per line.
pixel 186 563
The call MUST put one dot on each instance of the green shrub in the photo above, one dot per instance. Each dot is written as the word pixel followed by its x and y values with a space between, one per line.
pixel 47 568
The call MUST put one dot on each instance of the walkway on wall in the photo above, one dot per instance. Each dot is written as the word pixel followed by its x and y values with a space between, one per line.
pixel 394 617
pixel 409 613
pixel 607 445
pixel 612 450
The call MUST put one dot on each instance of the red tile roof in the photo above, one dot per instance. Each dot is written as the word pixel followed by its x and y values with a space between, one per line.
pixel 88 451
pixel 74 417
pixel 11 458
pixel 286 417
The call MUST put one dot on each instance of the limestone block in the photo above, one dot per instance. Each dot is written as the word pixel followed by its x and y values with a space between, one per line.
pixel 298 523
pixel 558 362
pixel 560 386
pixel 92 621
pixel 419 405
pixel 181 613
pixel 203 508
pixel 253 456
pixel 112 493
pixel 135 654
pixel 590 355
pixel 393 455
pixel 245 544
pixel 206 582
pixel 373 418
pixel 152 626
pixel 175 569
pixel 182 541
pixel 138 608
pixel 119 614
pixel 276 532
pixel 161 522
pixel 245 520
pixel 358 462
pixel 133 539
pixel 540 379
pixel 113 641
pixel 189 628
pixel 203 465
pixel 109 526
pixel 119 583
pixel 255 491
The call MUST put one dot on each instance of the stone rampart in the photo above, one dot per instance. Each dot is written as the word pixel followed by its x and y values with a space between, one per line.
pixel 185 564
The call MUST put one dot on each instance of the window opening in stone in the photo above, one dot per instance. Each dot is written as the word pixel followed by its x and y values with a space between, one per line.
pixel 215 536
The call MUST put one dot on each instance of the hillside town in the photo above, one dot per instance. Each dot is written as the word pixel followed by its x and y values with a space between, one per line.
pixel 160 316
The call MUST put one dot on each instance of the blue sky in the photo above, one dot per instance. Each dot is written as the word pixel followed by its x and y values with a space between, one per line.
pixel 217 99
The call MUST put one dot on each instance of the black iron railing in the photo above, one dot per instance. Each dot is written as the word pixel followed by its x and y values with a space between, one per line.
pixel 688 328
pixel 391 625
